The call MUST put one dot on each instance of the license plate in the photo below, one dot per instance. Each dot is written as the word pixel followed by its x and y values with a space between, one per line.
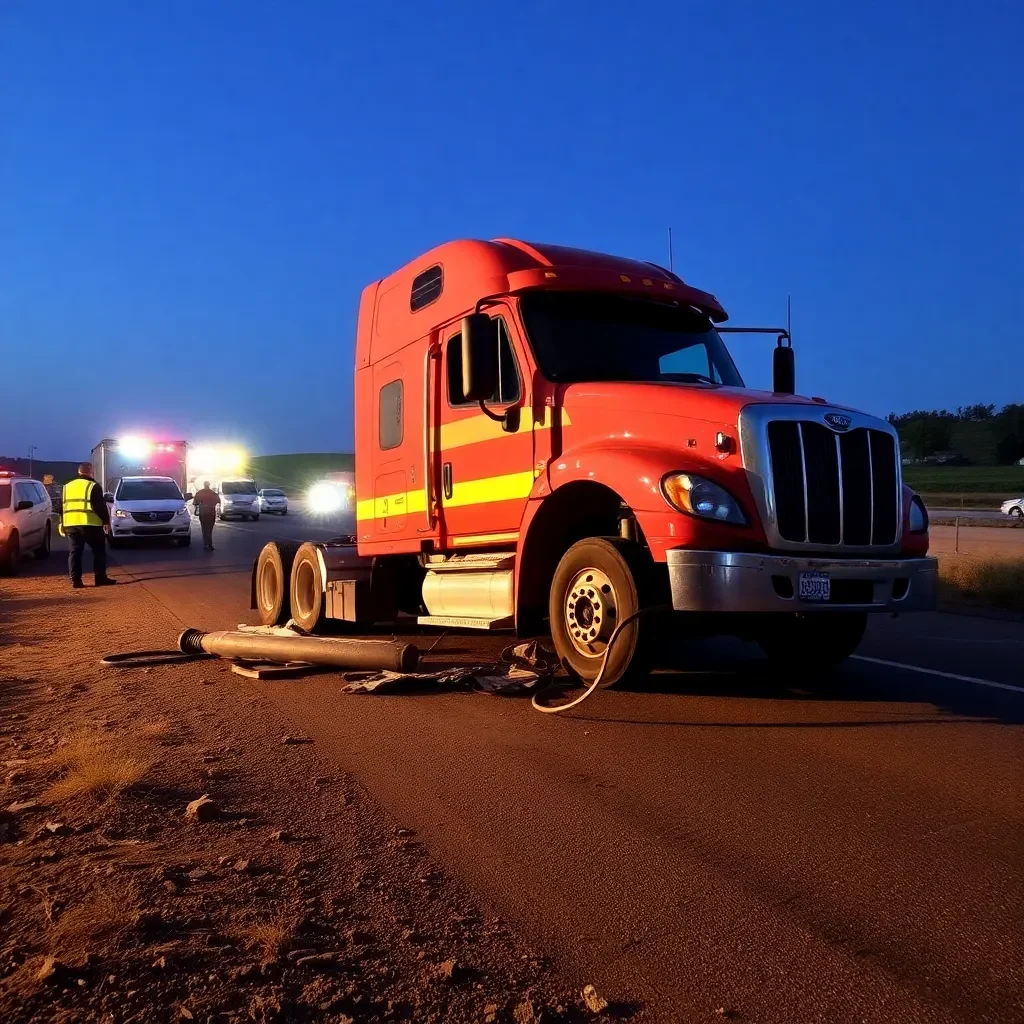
pixel 815 586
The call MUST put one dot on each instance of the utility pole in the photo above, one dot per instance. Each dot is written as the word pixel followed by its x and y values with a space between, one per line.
pixel 32 449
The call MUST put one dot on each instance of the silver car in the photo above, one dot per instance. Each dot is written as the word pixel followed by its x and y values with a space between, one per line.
pixel 1014 507
pixel 272 499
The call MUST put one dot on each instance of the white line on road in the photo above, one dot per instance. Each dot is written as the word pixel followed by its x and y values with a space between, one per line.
pixel 936 672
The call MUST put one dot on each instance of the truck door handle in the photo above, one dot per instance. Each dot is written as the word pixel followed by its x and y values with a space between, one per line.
pixel 446 479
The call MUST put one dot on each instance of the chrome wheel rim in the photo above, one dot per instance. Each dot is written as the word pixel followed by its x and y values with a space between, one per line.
pixel 591 612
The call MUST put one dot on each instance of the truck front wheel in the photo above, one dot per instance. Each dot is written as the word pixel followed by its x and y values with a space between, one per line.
pixel 812 642
pixel 600 582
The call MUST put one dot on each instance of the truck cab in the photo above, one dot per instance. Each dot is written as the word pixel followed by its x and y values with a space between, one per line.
pixel 548 438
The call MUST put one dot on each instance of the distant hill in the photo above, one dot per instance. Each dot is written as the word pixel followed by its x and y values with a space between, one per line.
pixel 62 472
pixel 294 473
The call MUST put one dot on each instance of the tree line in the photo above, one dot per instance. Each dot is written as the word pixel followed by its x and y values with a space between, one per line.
pixel 924 433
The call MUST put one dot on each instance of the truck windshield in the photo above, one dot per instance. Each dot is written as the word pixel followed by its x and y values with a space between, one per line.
pixel 584 336
pixel 5 496
pixel 238 487
pixel 148 490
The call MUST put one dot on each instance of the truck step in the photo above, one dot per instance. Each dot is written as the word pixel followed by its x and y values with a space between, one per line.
pixel 466 622
pixel 482 562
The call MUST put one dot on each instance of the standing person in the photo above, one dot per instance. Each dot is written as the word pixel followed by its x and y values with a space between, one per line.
pixel 85 519
pixel 205 502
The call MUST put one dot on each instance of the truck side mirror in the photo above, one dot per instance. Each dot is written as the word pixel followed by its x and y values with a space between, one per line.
pixel 108 498
pixel 784 370
pixel 479 357
pixel 188 495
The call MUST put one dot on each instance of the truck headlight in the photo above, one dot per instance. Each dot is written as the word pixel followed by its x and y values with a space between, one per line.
pixel 183 511
pixel 697 496
pixel 918 515
pixel 119 513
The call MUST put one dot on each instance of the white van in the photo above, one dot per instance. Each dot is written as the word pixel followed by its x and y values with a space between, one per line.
pixel 238 497
pixel 24 520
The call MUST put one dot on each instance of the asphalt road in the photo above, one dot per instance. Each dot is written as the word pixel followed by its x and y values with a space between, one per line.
pixel 786 849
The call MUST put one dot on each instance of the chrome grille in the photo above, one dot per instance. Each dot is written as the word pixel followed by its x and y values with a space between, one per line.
pixel 819 488
pixel 833 489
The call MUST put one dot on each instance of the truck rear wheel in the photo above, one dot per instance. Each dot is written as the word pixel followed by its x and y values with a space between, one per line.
pixel 812 642
pixel 307 592
pixel 599 582
pixel 272 582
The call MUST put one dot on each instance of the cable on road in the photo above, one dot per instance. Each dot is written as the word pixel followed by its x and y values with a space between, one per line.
pixel 138 659
pixel 554 709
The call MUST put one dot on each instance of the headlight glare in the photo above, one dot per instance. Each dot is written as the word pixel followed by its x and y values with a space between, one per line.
pixel 703 498
pixel 120 514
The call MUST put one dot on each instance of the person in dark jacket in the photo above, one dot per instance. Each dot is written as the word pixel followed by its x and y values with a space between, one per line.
pixel 85 519
pixel 205 503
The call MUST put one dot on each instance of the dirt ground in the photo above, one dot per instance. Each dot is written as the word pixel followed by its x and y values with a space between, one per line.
pixel 288 897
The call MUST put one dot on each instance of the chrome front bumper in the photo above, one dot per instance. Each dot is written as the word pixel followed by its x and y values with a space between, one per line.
pixel 728 581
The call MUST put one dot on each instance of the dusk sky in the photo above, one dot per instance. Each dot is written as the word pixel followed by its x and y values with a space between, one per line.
pixel 193 194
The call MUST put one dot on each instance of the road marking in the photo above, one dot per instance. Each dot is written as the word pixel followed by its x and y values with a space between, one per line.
pixel 936 672
pixel 968 640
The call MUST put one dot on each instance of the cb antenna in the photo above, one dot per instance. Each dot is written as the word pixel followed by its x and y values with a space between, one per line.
pixel 789 317
pixel 671 268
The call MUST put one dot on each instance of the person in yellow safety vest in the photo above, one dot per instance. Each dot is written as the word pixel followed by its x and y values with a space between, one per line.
pixel 85 519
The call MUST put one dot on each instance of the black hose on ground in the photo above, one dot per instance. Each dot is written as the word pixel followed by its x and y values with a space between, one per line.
pixel 139 659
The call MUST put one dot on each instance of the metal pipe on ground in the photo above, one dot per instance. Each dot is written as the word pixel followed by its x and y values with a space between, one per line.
pixel 317 650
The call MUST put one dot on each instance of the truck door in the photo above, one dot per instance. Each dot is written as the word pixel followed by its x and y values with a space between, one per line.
pixel 486 472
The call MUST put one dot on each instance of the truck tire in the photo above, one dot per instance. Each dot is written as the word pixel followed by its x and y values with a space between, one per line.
pixel 272 582
pixel 184 542
pixel 1017 512
pixel 43 551
pixel 11 556
pixel 599 582
pixel 815 642
pixel 307 591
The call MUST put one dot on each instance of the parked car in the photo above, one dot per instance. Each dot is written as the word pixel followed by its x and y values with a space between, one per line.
pixel 272 499
pixel 1014 507
pixel 149 506
pixel 24 520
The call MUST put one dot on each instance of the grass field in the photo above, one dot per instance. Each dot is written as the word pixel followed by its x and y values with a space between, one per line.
pixel 294 473
pixel 991 481
pixel 995 582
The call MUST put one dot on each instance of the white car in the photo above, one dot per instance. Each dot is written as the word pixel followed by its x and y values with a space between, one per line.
pixel 274 500
pixel 1014 507
pixel 238 497
pixel 148 506
pixel 24 520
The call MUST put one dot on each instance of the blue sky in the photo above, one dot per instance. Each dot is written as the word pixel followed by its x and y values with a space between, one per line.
pixel 192 195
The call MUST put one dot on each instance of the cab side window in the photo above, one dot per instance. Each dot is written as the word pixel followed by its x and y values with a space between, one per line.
pixel 390 426
pixel 507 390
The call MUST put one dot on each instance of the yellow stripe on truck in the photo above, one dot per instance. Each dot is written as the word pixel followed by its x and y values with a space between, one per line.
pixel 469 492
pixel 475 429
pixel 402 503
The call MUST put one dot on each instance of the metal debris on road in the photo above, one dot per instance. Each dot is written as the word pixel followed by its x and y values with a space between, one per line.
pixel 519 671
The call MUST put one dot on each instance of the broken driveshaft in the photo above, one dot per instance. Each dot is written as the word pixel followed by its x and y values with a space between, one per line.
pixel 338 652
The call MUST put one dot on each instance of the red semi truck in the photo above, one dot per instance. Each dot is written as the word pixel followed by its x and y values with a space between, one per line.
pixel 548 438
